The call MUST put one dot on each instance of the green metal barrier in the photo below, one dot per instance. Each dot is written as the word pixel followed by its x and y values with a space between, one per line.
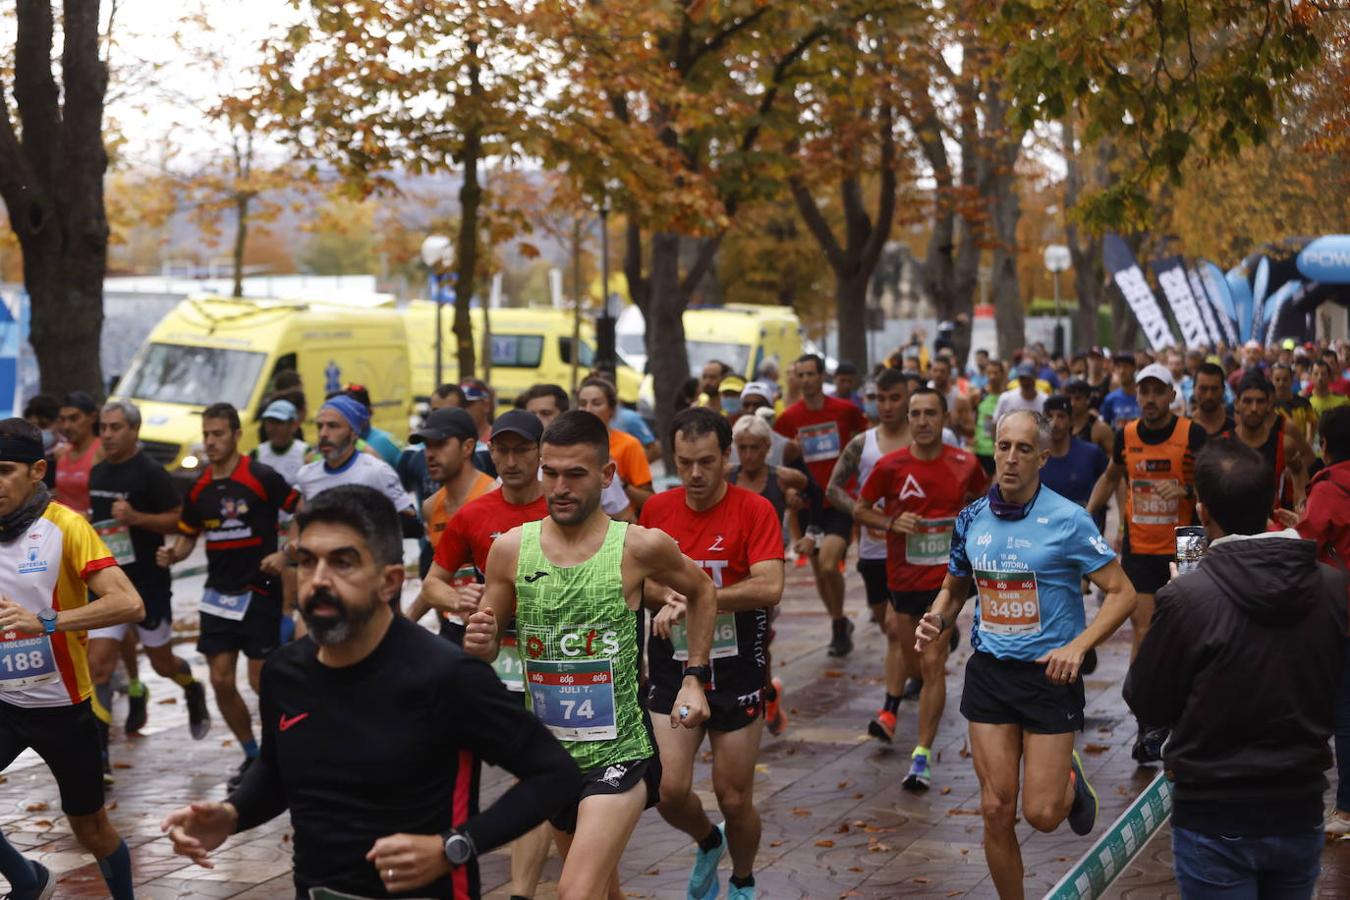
pixel 1101 865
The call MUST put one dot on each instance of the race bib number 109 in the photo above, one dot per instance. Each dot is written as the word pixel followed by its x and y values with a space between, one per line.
pixel 1009 603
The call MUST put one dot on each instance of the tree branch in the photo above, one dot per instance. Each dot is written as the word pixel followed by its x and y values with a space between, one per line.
pixel 881 231
pixel 36 93
pixel 707 252
pixel 816 224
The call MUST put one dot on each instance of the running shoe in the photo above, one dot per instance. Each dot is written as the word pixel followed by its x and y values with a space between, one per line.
pixel 46 885
pixel 882 726
pixel 138 712
pixel 913 688
pixel 1083 813
pixel 920 773
pixel 703 878
pixel 841 642
pixel 199 717
pixel 1337 824
pixel 740 893
pixel 774 717
pixel 1148 746
pixel 238 776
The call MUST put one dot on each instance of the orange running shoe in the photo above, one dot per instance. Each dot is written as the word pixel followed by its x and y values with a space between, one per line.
pixel 882 726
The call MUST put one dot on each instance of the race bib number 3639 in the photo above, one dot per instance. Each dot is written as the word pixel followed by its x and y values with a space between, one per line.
pixel 1009 603
pixel 573 698
pixel 1150 507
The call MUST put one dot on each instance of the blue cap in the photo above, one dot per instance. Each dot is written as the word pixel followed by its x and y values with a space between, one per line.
pixel 281 410
pixel 1026 370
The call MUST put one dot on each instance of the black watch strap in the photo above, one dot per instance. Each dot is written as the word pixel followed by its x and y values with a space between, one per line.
pixel 702 673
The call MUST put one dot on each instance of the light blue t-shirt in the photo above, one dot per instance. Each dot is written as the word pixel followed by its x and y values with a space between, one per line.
pixel 629 422
pixel 1028 573
pixel 1119 407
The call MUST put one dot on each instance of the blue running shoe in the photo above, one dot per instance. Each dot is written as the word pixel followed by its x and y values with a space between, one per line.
pixel 1083 813
pixel 740 893
pixel 920 773
pixel 703 879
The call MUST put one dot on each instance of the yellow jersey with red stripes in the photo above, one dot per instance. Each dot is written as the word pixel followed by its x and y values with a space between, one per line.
pixel 50 565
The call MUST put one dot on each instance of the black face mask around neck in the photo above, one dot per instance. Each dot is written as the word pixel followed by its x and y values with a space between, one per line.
pixel 14 524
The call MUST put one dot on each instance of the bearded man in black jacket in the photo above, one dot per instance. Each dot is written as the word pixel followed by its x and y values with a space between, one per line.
pixel 1243 662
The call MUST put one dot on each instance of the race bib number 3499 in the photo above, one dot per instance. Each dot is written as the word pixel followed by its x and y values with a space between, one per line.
pixel 1009 603
pixel 573 698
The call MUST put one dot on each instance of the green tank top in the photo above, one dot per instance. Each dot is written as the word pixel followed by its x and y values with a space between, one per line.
pixel 578 642
pixel 984 440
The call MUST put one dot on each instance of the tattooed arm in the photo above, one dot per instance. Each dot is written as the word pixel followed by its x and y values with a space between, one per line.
pixel 844 470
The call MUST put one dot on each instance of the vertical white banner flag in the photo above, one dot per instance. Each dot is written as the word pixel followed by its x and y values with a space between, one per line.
pixel 1119 258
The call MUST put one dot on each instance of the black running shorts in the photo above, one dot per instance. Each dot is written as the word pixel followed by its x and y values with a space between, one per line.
pixel 66 737
pixel 257 634
pixel 1148 572
pixel 729 710
pixel 913 603
pixel 1013 692
pixel 618 778
pixel 873 572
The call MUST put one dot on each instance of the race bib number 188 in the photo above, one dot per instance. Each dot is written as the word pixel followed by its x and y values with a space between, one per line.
pixel 1009 603
pixel 26 662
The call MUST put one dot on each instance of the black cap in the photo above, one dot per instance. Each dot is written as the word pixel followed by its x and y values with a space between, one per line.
pixel 518 421
pixel 1057 402
pixel 1077 386
pixel 445 423
pixel 1123 356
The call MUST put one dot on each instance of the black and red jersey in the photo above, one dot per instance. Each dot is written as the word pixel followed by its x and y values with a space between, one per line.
pixel 238 516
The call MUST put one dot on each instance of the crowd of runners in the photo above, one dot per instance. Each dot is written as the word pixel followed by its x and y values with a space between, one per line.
pixel 586 631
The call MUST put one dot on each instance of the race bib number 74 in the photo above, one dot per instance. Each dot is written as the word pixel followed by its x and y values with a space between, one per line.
pixel 573 698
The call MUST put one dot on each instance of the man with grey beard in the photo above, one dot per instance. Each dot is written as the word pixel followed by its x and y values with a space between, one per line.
pixel 373 730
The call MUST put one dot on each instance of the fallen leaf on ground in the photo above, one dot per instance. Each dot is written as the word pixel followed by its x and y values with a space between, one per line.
pixel 842 829
pixel 841 785
pixel 653 871
pixel 798 811
pixel 965 850
pixel 964 753
pixel 775 843
pixel 1096 748
pixel 833 673
pixel 945 791
pixel 856 869
pixel 955 893
pixel 42 824
pixel 36 807
pixel 959 811
pixel 920 880
pixel 858 796
pixel 1061 859
pixel 123 765
pixel 824 842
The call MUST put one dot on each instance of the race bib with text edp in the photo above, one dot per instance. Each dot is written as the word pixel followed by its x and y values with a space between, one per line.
pixel 931 543
pixel 724 638
pixel 118 538
pixel 26 662
pixel 1009 603
pixel 1151 508
pixel 573 698
pixel 819 442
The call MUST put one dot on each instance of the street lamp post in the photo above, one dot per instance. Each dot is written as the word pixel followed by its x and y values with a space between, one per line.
pixel 1057 259
pixel 437 250
pixel 604 325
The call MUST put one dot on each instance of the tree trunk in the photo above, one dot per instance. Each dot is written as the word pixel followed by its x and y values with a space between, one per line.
pixel 241 204
pixel 667 359
pixel 1085 249
pixel 850 307
pixel 1009 313
pixel 52 186
pixel 466 251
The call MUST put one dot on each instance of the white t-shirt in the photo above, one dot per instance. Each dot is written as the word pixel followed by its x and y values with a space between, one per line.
pixel 614 500
pixel 1012 401
pixel 315 478
pixel 287 464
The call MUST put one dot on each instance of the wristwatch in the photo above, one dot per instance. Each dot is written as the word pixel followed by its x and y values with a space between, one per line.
pixel 459 848
pixel 48 619
pixel 702 673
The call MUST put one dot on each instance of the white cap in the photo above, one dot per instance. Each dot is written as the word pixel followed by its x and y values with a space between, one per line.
pixel 1158 371
pixel 766 389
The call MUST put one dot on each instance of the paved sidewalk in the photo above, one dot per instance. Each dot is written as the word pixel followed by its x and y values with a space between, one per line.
pixel 836 822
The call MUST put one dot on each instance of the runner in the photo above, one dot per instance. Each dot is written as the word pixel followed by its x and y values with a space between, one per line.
pixel 79 426
pixel 1292 406
pixel 1074 465
pixel 546 402
pixel 1211 410
pixel 730 533
pixel 1276 438
pixel 58 581
pixel 282 452
pixel 599 398
pixel 1086 425
pixel 1023 396
pixel 1026 550
pixel 574 583
pixel 752 439
pixel 996 382
pixel 962 417
pixel 1122 404
pixel 923 487
pixel 822 426
pixel 133 505
pixel 373 732
pixel 339 421
pixel 1155 455
pixel 1321 396
pixel 451 438
pixel 236 503
pixel 461 558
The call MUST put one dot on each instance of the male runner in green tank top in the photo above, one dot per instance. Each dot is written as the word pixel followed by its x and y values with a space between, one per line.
pixel 573 583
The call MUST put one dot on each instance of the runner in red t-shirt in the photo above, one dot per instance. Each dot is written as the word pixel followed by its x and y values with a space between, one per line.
pixel 822 426
pixel 454 586
pixel 734 535
pixel 924 486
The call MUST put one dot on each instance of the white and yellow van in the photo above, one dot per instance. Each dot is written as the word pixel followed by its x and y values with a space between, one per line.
pixel 212 349
pixel 530 345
